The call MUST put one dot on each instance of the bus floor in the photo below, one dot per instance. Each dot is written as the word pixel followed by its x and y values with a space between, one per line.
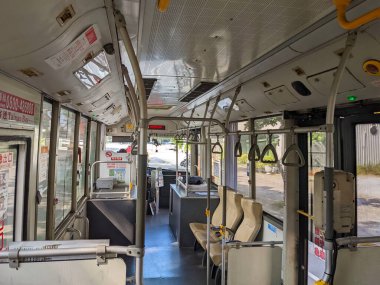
pixel 166 263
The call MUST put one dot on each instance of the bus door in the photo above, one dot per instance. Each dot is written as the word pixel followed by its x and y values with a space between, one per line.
pixel 12 182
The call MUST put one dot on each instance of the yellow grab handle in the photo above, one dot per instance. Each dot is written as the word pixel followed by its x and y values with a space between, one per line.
pixel 162 5
pixel 321 282
pixel 341 7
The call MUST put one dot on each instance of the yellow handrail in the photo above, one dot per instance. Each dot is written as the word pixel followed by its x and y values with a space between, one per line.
pixel 341 7
pixel 307 215
pixel 162 5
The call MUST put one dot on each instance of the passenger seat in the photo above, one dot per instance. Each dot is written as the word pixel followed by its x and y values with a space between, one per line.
pixel 247 230
pixel 216 218
pixel 233 219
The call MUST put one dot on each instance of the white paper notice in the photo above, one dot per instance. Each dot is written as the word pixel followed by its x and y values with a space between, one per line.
pixel 87 39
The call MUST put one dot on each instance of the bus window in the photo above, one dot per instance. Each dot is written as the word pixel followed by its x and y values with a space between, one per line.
pixel 64 168
pixel 43 166
pixel 217 164
pixel 368 179
pixel 82 159
pixel 270 176
pixel 242 162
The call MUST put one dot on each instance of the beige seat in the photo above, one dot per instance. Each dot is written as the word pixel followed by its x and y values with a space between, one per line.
pixel 233 218
pixel 247 230
pixel 216 218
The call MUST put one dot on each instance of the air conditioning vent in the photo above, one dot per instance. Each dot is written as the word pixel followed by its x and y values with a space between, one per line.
pixel 116 110
pixel 197 91
pixel 63 93
pixel 149 84
pixel 67 14
pixel 100 102
pixel 31 72
pixel 109 109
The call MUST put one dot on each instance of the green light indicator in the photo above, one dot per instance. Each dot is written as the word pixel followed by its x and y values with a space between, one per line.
pixel 352 98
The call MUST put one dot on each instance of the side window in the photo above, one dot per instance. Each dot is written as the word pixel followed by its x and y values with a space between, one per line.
pixel 93 139
pixel 270 184
pixel 81 176
pixel 243 162
pixel 64 167
pixel 43 166
pixel 217 163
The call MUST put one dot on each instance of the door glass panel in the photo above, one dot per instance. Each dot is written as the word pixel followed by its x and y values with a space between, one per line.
pixel 317 161
pixel 368 179
pixel 82 156
pixel 93 138
pixel 64 169
pixel 8 163
pixel 43 166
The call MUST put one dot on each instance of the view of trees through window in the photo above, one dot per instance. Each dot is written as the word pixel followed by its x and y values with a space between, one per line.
pixel 270 176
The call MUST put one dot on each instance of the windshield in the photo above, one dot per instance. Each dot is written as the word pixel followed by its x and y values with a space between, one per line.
pixel 162 153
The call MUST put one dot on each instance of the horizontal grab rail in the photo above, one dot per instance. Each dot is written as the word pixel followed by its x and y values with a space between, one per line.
pixel 353 240
pixel 253 244
pixel 125 250
pixel 341 7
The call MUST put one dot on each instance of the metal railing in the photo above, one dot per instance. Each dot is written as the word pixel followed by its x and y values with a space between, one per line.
pixel 101 252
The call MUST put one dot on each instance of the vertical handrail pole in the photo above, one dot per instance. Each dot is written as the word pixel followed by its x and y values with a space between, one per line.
pixel 208 159
pixel 142 146
pixel 329 167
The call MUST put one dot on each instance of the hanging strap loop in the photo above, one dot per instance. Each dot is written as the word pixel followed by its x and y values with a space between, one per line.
pixel 269 148
pixel 293 148
pixel 254 151
pixel 238 151
pixel 301 159
pixel 217 148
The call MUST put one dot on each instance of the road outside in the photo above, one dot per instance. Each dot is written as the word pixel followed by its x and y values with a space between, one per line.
pixel 368 202
pixel 269 190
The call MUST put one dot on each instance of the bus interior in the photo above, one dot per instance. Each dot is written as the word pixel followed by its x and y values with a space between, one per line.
pixel 190 142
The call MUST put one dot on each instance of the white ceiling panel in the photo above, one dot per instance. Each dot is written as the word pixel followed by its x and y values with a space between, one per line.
pixel 210 40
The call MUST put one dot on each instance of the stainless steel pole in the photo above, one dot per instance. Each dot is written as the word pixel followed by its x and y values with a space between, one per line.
pixel 142 147
pixel 208 215
pixel 329 168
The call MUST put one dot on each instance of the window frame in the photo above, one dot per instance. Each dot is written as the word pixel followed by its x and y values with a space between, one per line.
pixel 54 231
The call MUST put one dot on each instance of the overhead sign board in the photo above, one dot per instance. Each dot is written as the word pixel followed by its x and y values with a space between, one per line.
pixel 157 127
pixel 16 109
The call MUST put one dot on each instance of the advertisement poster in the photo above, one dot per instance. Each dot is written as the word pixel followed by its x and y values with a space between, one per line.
pixel 160 178
pixel 216 169
pixel 44 161
pixel 15 109
pixel 118 173
pixel 3 203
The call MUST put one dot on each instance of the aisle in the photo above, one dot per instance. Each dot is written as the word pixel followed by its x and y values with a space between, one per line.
pixel 166 263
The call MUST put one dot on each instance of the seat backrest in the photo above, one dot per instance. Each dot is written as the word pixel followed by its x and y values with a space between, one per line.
pixel 234 209
pixel 217 216
pixel 252 221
